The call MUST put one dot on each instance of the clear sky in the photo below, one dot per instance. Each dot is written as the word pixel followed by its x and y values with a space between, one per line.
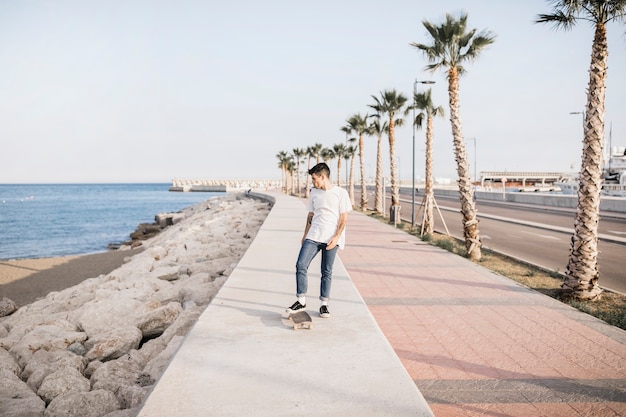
pixel 151 90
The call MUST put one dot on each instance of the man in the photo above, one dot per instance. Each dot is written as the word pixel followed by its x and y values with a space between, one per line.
pixel 328 207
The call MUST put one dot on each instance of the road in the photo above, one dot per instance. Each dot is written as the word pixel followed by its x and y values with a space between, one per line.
pixel 535 234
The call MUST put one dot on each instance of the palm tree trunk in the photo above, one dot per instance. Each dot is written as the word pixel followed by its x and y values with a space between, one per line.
pixel 306 187
pixel 362 169
pixel 298 177
pixel 339 170
pixel 285 189
pixel 428 223
pixel 468 210
pixel 378 197
pixel 351 192
pixel 581 275
pixel 395 189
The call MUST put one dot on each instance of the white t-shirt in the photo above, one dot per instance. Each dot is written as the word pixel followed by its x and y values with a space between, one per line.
pixel 327 206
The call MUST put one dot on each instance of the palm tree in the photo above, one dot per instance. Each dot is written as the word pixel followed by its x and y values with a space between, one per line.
pixel 316 150
pixel 391 103
pixel 349 154
pixel 327 155
pixel 582 273
pixel 291 167
pixel 283 163
pixel 310 153
pixel 453 45
pixel 378 127
pixel 313 152
pixel 340 150
pixel 347 130
pixel 358 125
pixel 298 154
pixel 424 102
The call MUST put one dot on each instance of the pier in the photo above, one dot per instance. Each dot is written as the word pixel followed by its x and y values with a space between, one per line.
pixel 216 186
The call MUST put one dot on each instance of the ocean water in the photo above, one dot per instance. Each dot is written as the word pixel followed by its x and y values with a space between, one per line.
pixel 45 220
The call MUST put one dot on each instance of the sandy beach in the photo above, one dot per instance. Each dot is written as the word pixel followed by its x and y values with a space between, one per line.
pixel 27 280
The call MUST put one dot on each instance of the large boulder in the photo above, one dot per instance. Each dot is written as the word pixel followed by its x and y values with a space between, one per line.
pixel 17 399
pixel 96 403
pixel 154 322
pixel 62 382
pixel 157 365
pixel 7 307
pixel 9 363
pixel 44 363
pixel 112 343
pixel 115 311
pixel 114 374
pixel 56 335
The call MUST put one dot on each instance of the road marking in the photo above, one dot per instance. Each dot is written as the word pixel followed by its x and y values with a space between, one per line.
pixel 543 236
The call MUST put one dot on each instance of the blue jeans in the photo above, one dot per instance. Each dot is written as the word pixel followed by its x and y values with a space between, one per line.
pixel 308 251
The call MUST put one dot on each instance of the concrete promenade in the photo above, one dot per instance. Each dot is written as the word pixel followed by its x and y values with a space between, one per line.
pixel 242 358
pixel 472 342
pixel 478 344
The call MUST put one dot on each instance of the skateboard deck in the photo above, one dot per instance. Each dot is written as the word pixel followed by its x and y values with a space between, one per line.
pixel 301 320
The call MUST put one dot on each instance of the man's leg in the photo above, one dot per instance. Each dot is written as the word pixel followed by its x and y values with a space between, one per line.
pixel 328 260
pixel 307 252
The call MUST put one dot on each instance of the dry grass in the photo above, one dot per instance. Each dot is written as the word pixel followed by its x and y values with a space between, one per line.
pixel 611 307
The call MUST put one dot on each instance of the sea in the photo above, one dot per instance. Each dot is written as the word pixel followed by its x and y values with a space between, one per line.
pixel 50 220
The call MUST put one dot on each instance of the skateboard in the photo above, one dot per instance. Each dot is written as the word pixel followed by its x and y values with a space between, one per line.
pixel 301 320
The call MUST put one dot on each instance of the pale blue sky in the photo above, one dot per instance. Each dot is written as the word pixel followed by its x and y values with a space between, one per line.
pixel 131 91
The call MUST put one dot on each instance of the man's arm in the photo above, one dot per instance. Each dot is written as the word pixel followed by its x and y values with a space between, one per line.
pixel 309 219
pixel 341 226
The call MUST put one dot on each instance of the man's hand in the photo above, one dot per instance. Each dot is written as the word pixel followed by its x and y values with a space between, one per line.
pixel 332 242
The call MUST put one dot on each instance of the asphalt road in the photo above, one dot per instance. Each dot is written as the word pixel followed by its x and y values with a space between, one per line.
pixel 535 234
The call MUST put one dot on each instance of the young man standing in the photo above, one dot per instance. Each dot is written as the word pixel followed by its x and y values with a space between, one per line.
pixel 328 208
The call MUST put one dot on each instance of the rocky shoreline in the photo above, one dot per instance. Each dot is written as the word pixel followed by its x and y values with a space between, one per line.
pixel 97 348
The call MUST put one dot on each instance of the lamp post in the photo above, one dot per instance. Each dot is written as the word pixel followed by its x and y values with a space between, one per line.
pixel 346 160
pixel 413 153
pixel 583 116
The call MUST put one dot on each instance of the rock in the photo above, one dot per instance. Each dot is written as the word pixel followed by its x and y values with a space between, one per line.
pixel 57 335
pixel 112 343
pixel 110 337
pixel 44 363
pixel 77 349
pixel 9 363
pixel 157 365
pixel 62 382
pixel 156 321
pixel 80 404
pixel 131 396
pixel 183 323
pixel 17 399
pixel 112 375
pixel 148 350
pixel 104 314
pixel 7 307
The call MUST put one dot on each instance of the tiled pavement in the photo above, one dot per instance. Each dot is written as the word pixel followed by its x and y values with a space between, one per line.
pixel 476 343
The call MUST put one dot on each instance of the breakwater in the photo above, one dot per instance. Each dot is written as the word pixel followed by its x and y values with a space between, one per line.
pixel 208 185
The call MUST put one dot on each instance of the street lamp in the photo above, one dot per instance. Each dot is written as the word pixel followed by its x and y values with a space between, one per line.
pixel 583 116
pixel 413 182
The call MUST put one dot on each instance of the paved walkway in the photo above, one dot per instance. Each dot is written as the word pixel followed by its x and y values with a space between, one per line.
pixel 456 340
pixel 242 358
pixel 478 344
